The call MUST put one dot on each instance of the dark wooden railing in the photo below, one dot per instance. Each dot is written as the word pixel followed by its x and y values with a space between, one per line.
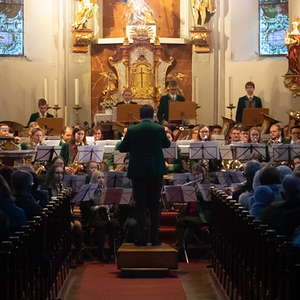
pixel 36 260
pixel 250 261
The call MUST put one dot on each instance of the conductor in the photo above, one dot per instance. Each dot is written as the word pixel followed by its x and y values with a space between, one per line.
pixel 146 168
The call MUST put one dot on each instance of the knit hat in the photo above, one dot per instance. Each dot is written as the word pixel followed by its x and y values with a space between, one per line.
pixel 291 188
pixel 283 171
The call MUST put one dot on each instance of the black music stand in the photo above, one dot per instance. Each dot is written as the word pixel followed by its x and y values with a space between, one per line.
pixel 204 150
pixel 115 196
pixel 119 157
pixel 90 152
pixel 242 151
pixel 170 152
pixel 75 182
pixel 226 152
pixel 46 153
pixel 180 194
pixel 285 152
pixel 115 179
pixel 182 178
pixel 86 193
pixel 229 177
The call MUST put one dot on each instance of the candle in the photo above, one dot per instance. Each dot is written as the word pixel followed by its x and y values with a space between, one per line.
pixel 46 88
pixel 230 89
pixel 76 91
pixel 55 91
pixel 66 116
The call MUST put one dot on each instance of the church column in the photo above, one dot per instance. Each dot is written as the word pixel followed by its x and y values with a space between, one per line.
pixel 294 10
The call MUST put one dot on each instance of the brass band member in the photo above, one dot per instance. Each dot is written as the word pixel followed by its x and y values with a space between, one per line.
pixel 127 97
pixel 66 135
pixel 275 136
pixel 36 139
pixel 69 151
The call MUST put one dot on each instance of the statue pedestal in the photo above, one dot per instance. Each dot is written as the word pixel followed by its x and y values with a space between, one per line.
pixel 130 27
pixel 292 82
pixel 81 38
pixel 201 39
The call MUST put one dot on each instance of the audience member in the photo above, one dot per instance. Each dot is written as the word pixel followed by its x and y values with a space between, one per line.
pixel 283 171
pixel 263 197
pixel 4 227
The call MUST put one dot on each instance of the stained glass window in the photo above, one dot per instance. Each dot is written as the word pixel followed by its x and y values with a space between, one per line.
pixel 274 21
pixel 11 27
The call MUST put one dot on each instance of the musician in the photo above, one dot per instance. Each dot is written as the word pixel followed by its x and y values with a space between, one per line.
pixel 54 180
pixel 127 97
pixel 296 161
pixel 69 151
pixel 248 101
pixel 195 215
pixel 91 167
pixel 66 135
pixel 97 133
pixel 174 165
pixel 36 139
pixel 295 134
pixel 163 109
pixel 193 133
pixel 42 113
pixel 146 168
pixel 255 138
pixel 244 133
pixel 4 130
pixel 235 134
pixel 275 136
pixel 216 129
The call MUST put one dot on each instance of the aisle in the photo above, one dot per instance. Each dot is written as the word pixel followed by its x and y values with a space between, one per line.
pixel 96 281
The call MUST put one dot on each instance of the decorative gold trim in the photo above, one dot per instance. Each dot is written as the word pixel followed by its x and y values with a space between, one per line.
pixel 81 39
pixel 201 39
pixel 292 82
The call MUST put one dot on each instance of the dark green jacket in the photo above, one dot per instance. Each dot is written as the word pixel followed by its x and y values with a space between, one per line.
pixel 242 105
pixel 64 152
pixel 34 116
pixel 123 102
pixel 145 141
pixel 111 163
pixel 163 109
pixel 283 141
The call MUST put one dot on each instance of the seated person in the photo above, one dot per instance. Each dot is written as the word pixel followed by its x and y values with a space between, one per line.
pixel 4 130
pixel 127 97
pixel 91 167
pixel 97 133
pixel 255 138
pixel 295 134
pixel 55 180
pixel 21 182
pixel 275 136
pixel 195 215
pixel 16 215
pixel 296 161
pixel 35 139
pixel 97 216
pixel 4 228
pixel 174 165
pixel 216 129
pixel 244 135
pixel 263 198
pixel 235 133
pixel 248 101
pixel 66 135
pixel 41 197
pixel 42 113
pixel 163 109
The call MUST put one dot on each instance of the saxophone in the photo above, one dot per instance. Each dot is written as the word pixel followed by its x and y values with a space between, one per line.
pixel 76 167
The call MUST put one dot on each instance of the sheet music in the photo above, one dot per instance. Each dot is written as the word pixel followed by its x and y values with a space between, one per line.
pixel 47 153
pixel 242 151
pixel 86 192
pixel 52 142
pixel 87 153
pixel 229 177
pixel 180 194
pixel 204 150
pixel 75 182
pixel 182 178
pixel 170 152
pixel 115 179
pixel 119 157
pixel 110 196
pixel 226 152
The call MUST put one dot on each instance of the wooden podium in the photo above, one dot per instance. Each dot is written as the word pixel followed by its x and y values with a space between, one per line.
pixel 182 110
pixel 254 116
pixel 53 126
pixel 128 113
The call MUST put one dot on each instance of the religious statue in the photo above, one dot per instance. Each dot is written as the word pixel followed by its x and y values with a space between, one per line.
pixel 140 13
pixel 85 12
pixel 111 87
pixel 292 40
pixel 200 8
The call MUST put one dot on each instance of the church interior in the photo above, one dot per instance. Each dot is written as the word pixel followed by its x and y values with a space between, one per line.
pixel 81 56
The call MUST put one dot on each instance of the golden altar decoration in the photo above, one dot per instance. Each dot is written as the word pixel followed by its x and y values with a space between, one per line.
pixel 201 39
pixel 141 66
pixel 292 82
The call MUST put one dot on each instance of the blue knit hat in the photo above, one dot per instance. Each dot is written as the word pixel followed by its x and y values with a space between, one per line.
pixel 290 188
pixel 283 171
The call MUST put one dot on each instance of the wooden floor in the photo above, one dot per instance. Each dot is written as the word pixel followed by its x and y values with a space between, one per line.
pixel 196 279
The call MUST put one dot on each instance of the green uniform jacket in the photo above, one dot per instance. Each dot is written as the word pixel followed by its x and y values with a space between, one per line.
pixel 110 162
pixel 64 152
pixel 34 116
pixel 145 141
pixel 123 102
pixel 242 105
pixel 283 141
pixel 163 109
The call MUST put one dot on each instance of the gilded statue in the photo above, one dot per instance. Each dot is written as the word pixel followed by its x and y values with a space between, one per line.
pixel 111 87
pixel 292 40
pixel 84 13
pixel 140 13
pixel 200 9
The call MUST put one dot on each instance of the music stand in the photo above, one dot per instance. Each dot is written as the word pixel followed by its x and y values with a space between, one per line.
pixel 226 152
pixel 52 142
pixel 86 192
pixel 229 177
pixel 254 116
pixel 182 110
pixel 182 178
pixel 180 194
pixel 285 152
pixel 90 152
pixel 204 150
pixel 115 179
pixel 128 113
pixel 119 157
pixel 46 153
pixel 112 196
pixel 205 191
pixel 90 140
pixel 242 151
pixel 75 182
pixel 170 152
pixel 53 126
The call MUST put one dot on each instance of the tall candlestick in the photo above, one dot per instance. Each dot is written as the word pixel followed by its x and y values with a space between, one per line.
pixel 55 91
pixel 76 91
pixel 230 89
pixel 66 115
pixel 46 89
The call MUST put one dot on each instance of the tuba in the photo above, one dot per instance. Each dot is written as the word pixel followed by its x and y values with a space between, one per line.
pixel 267 123
pixel 294 118
pixel 227 125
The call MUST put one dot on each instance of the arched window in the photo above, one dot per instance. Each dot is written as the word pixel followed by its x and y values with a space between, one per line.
pixel 11 27
pixel 274 21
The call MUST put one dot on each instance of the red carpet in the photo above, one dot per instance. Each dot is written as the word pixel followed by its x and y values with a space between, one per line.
pixel 104 282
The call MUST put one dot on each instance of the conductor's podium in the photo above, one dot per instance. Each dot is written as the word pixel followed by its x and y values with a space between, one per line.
pixel 148 261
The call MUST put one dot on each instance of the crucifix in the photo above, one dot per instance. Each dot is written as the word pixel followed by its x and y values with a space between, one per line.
pixel 142 82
